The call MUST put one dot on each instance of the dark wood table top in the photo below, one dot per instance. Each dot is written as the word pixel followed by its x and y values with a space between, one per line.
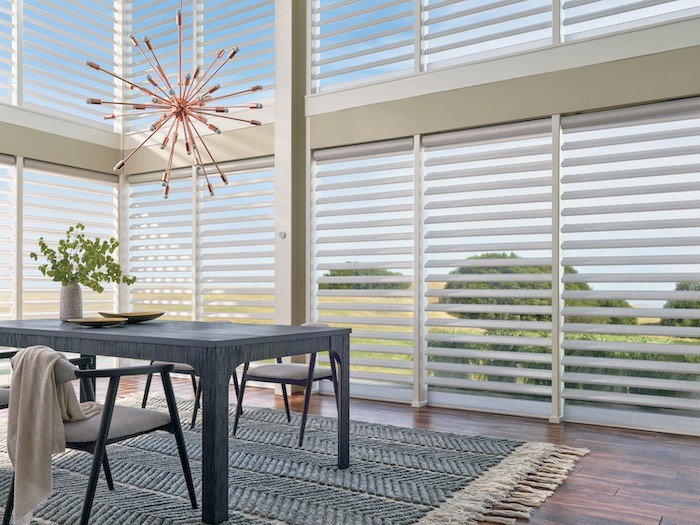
pixel 173 333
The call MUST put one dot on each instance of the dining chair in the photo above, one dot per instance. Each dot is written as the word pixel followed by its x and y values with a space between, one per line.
pixel 5 390
pixel 117 423
pixel 298 374
pixel 82 362
pixel 184 368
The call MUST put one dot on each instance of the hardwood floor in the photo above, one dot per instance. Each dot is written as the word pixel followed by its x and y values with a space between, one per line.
pixel 630 477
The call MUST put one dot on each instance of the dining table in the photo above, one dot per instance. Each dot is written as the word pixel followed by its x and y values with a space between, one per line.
pixel 214 349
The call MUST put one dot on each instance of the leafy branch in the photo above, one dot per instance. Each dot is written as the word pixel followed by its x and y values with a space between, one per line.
pixel 85 261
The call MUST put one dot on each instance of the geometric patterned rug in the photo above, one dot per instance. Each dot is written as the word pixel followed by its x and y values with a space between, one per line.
pixel 398 476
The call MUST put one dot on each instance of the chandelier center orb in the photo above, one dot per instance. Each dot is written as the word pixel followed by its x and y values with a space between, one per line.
pixel 183 106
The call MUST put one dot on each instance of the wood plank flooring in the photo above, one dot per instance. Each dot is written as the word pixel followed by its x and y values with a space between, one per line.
pixel 629 478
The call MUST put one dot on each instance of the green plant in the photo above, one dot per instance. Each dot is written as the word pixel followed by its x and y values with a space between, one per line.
pixel 85 261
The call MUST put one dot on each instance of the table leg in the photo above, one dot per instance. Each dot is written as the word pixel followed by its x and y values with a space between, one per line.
pixel 340 345
pixel 214 378
pixel 93 381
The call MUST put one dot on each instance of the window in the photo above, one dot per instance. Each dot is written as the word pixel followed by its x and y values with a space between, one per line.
pixel 362 204
pixel 588 18
pixel 156 20
pixel 230 236
pixel 161 244
pixel 354 41
pixel 630 229
pixel 58 38
pixel 250 26
pixel 457 31
pixel 51 196
pixel 8 230
pixel 7 28
pixel 487 255
pixel 236 245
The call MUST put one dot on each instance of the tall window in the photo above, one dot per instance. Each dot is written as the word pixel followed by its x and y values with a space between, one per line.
pixel 156 21
pixel 250 26
pixel 161 244
pixel 51 196
pixel 7 27
pixel 353 42
pixel 458 31
pixel 631 224
pixel 236 245
pixel 362 200
pixel 58 38
pixel 8 222
pixel 487 254
pixel 198 257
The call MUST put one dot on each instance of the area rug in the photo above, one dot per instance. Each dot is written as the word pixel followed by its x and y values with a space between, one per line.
pixel 398 476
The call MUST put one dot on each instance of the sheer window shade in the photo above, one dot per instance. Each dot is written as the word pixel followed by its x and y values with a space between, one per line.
pixel 155 19
pixel 356 40
pixel 50 200
pixel 250 26
pixel 487 255
pixel 464 30
pixel 589 18
pixel 160 244
pixel 57 39
pixel 230 236
pixel 236 245
pixel 362 255
pixel 630 228
pixel 8 222
pixel 7 27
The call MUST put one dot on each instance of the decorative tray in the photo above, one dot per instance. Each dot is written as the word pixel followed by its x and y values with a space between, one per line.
pixel 97 322
pixel 132 317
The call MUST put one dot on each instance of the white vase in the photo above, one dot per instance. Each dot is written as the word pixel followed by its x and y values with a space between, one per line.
pixel 71 303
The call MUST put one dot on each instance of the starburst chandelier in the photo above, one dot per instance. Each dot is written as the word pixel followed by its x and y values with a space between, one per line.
pixel 181 106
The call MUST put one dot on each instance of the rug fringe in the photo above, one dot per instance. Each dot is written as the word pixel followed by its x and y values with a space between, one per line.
pixel 511 489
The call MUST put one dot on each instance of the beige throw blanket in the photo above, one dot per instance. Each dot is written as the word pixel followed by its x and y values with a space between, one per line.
pixel 38 407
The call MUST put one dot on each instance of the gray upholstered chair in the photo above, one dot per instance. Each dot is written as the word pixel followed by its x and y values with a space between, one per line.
pixel 183 368
pixel 298 374
pixel 117 423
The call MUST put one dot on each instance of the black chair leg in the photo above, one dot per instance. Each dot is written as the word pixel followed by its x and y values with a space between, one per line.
pixel 285 397
pixel 179 437
pixel 235 383
pixel 307 397
pixel 108 472
pixel 146 390
pixel 10 505
pixel 239 400
pixel 197 402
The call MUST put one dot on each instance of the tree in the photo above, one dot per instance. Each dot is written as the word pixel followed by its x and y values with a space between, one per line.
pixel 523 285
pixel 683 287
pixel 363 272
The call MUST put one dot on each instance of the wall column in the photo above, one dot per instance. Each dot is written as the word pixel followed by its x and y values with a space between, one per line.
pixel 290 163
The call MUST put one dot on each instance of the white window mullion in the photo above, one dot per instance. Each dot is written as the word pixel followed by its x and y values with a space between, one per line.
pixel 197 309
pixel 420 388
pixel 557 414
